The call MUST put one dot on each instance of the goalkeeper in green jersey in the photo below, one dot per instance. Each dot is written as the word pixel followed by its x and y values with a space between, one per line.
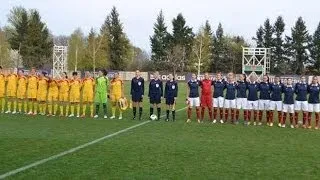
pixel 101 91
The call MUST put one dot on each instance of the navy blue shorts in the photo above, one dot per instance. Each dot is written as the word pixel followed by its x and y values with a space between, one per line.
pixel 169 100
pixel 155 99
pixel 136 98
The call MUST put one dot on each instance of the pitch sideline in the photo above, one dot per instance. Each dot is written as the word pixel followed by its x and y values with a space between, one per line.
pixel 37 163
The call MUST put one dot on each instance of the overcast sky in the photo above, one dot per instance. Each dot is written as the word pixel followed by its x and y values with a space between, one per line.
pixel 240 17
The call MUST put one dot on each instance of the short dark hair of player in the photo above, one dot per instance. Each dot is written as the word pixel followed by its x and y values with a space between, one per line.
pixel 244 77
pixel 65 75
pixel 104 72
pixel 0 67
pixel 75 73
pixel 44 73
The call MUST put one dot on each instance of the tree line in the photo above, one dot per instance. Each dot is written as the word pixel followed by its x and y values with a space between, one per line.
pixel 26 41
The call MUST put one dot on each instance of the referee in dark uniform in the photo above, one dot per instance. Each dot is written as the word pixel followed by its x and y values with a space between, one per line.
pixel 170 94
pixel 155 94
pixel 137 92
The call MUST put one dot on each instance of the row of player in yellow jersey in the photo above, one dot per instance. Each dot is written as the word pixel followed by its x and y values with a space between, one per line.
pixel 37 91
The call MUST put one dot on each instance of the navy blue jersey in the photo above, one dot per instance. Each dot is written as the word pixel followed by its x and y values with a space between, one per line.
pixel 231 90
pixel 219 87
pixel 171 89
pixel 301 90
pixel 137 86
pixel 193 88
pixel 241 89
pixel 264 89
pixel 253 89
pixel 288 94
pixel 276 91
pixel 155 88
pixel 313 93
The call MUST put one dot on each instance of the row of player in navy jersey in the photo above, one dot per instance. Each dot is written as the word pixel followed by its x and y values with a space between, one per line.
pixel 254 98
pixel 156 93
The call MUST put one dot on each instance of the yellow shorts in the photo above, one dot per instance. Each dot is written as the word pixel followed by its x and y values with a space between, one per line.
pixel 32 94
pixel 52 97
pixel 87 97
pixel 42 97
pixel 21 94
pixel 115 97
pixel 11 93
pixel 64 97
pixel 74 98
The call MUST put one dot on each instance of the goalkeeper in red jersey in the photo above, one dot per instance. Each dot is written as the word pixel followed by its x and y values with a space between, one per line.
pixel 206 96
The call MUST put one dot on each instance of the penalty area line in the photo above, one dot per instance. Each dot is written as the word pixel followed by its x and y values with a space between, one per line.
pixel 72 150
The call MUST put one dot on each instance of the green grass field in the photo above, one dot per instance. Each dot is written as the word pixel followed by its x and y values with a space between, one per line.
pixel 156 150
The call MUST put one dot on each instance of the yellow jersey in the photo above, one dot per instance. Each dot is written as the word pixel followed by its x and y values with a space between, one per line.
pixel 64 86
pixel 2 85
pixel 116 86
pixel 22 87
pixel 12 81
pixel 42 85
pixel 53 86
pixel 88 85
pixel 32 83
pixel 75 87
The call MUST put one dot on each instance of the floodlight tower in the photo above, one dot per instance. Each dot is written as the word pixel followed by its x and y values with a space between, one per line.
pixel 256 62
pixel 60 54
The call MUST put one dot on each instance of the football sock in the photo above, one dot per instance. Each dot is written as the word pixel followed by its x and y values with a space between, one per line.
pixel 84 108
pixel 202 113
pixel 210 114
pixel 226 114
pixel 159 112
pixel 221 113
pixel 317 119
pixel 25 106
pixel 78 109
pixel 291 118
pixel 249 113
pixel 233 114
pixel 3 103
pixel 50 109
pixel 61 110
pixel 91 110
pixel 309 118
pixel 215 113
pixel 55 108
pixel 44 107
pixel 296 117
pixel 9 105
pixel 237 114
pixel 40 108
pixel 255 116
pixel 198 113
pixel 167 113
pixel 280 116
pixel 104 106
pixel 173 115
pixel 134 111
pixel 97 108
pixel 268 116
pixel 260 116
pixel 35 107
pixel 113 109
pixel 14 106
pixel 284 118
pixel 271 116
pixel 151 111
pixel 140 112
pixel 72 109
pixel 20 106
pixel 245 114
pixel 31 105
pixel 305 116
pixel 67 109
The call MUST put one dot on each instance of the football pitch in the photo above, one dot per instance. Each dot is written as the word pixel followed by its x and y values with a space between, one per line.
pixel 37 147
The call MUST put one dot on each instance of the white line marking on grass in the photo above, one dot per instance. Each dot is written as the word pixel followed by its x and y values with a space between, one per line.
pixel 13 172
